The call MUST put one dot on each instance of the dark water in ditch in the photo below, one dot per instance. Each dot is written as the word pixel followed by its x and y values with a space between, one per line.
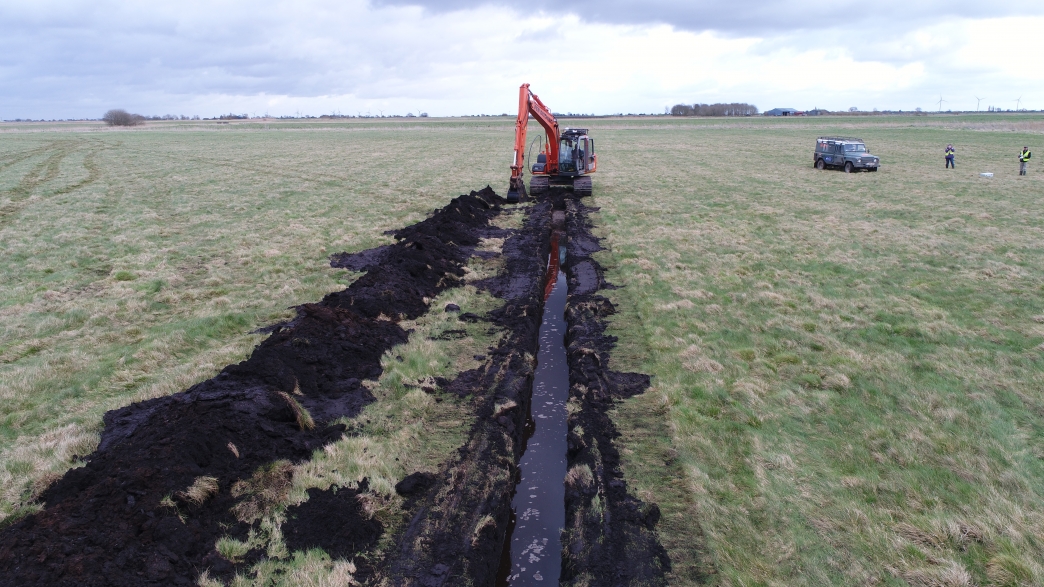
pixel 535 545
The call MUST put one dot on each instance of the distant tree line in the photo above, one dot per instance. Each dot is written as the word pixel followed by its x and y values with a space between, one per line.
pixel 733 109
pixel 120 117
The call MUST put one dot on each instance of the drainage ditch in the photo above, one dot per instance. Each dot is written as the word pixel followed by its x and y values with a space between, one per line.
pixel 532 550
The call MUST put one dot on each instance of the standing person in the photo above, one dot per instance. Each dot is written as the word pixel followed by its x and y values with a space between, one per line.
pixel 1024 158
pixel 949 157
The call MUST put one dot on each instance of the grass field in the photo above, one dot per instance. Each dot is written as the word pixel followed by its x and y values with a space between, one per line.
pixel 849 366
pixel 847 369
pixel 137 263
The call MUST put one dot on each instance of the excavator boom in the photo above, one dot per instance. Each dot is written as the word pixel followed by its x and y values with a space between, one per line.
pixel 530 104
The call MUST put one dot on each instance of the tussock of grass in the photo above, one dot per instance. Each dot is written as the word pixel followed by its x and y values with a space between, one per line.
pixel 205 580
pixel 232 549
pixel 201 490
pixel 484 522
pixel 301 415
pixel 580 478
pixel 315 569
pixel 267 488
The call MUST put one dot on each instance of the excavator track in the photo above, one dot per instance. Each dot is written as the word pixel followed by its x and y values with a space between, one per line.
pixel 582 186
pixel 539 184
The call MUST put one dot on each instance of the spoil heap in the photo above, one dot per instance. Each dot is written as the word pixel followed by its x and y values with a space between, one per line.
pixel 609 537
pixel 104 524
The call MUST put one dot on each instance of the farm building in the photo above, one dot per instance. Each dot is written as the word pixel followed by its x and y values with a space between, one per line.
pixel 781 112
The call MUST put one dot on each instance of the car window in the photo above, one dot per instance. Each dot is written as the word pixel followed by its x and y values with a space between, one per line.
pixel 856 148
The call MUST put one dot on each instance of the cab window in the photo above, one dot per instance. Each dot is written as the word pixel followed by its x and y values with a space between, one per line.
pixel 567 153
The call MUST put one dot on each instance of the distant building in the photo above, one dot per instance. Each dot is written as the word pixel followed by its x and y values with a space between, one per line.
pixel 818 112
pixel 781 112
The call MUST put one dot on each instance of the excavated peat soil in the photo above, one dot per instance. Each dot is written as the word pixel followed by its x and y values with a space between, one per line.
pixel 610 537
pixel 103 523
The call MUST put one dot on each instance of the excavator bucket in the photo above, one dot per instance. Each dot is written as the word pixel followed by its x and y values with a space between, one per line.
pixel 516 191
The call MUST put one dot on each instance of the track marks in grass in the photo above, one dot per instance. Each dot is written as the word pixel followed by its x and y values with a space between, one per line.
pixel 31 185
pixel 17 197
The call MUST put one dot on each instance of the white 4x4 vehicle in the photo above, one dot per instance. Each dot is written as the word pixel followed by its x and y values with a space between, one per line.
pixel 843 153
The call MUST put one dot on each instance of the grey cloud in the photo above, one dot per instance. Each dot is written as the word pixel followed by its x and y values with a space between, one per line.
pixel 62 58
pixel 741 18
pixel 74 58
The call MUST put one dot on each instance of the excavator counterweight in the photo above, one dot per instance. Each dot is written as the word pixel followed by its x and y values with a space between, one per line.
pixel 566 158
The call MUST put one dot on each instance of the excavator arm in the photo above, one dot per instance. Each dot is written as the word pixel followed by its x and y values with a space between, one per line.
pixel 529 103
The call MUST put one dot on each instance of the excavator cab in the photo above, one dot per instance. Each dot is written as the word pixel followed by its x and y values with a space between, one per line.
pixel 575 153
pixel 568 154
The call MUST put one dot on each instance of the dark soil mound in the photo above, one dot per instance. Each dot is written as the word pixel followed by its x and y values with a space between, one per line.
pixel 360 261
pixel 103 523
pixel 415 483
pixel 458 530
pixel 331 520
pixel 616 546
pixel 429 257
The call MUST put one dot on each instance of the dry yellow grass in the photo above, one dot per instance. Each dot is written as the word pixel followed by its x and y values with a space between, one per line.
pixel 202 489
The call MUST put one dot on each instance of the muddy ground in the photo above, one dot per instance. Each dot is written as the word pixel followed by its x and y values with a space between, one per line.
pixel 610 536
pixel 104 524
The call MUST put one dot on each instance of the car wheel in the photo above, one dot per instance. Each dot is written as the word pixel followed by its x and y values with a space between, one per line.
pixel 820 165
pixel 848 167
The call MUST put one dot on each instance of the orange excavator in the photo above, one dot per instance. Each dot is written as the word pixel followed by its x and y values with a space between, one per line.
pixel 566 159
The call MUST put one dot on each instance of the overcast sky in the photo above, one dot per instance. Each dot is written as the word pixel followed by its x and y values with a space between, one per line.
pixel 69 59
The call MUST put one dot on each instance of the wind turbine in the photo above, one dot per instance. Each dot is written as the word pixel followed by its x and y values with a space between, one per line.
pixel 1017 101
pixel 978 100
pixel 941 102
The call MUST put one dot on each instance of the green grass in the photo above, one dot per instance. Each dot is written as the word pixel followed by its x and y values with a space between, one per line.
pixel 846 368
pixel 850 366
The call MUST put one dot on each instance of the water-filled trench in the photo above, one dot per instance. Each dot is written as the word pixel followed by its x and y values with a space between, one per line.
pixel 533 553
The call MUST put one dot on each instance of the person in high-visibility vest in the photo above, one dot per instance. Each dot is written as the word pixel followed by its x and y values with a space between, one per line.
pixel 949 157
pixel 1024 158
